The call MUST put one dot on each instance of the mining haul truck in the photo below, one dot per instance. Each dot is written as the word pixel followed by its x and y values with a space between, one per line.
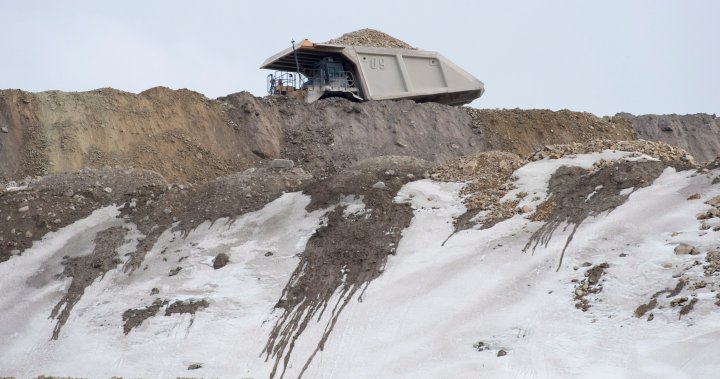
pixel 311 71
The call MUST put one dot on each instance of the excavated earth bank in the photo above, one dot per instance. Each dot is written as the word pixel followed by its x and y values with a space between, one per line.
pixel 172 160
pixel 188 138
pixel 699 134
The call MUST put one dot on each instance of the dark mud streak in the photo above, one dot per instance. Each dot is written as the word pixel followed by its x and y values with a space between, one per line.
pixel 678 287
pixel 342 258
pixel 190 306
pixel 159 209
pixel 132 318
pixel 687 308
pixel 84 270
pixel 570 186
pixel 642 309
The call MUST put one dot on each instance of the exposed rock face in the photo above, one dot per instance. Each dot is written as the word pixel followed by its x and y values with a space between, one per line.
pixel 699 133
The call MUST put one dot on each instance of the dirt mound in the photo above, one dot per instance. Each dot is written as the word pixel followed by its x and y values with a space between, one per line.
pixel 369 38
pixel 180 134
pixel 525 131
pixel 699 134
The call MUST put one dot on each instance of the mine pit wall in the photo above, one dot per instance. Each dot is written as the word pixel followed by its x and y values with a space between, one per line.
pixel 187 137
pixel 18 118
pixel 698 134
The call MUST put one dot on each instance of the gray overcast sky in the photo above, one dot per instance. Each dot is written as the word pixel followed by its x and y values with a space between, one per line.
pixel 604 57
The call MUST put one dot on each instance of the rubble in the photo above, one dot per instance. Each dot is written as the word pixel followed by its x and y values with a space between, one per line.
pixel 659 150
pixel 488 177
pixel 369 38
pixel 685 249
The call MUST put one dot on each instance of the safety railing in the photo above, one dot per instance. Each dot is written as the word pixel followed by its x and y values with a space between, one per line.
pixel 282 82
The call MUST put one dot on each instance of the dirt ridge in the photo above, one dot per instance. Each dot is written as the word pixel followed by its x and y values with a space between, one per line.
pixel 188 138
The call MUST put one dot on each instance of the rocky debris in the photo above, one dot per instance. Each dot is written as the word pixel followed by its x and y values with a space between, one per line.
pixel 715 201
pixel 488 177
pixel 671 155
pixel 4 129
pixel 220 260
pixel 685 249
pixel 194 366
pixel 114 182
pixel 570 189
pixel 694 196
pixel 369 38
pixel 713 262
pixel 284 164
pixel 84 270
pixel 642 309
pixel 712 212
pixel 379 185
pixel 698 134
pixel 678 301
pixel 189 306
pixel 686 303
pixel 524 131
pixel 589 285
pixel 175 271
pixel 481 346
pixel 132 318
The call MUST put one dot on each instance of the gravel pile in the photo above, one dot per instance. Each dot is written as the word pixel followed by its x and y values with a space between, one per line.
pixel 659 150
pixel 370 38
pixel 489 177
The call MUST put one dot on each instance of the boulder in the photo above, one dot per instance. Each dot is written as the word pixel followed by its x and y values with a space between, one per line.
pixel 684 249
pixel 220 260
pixel 284 164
